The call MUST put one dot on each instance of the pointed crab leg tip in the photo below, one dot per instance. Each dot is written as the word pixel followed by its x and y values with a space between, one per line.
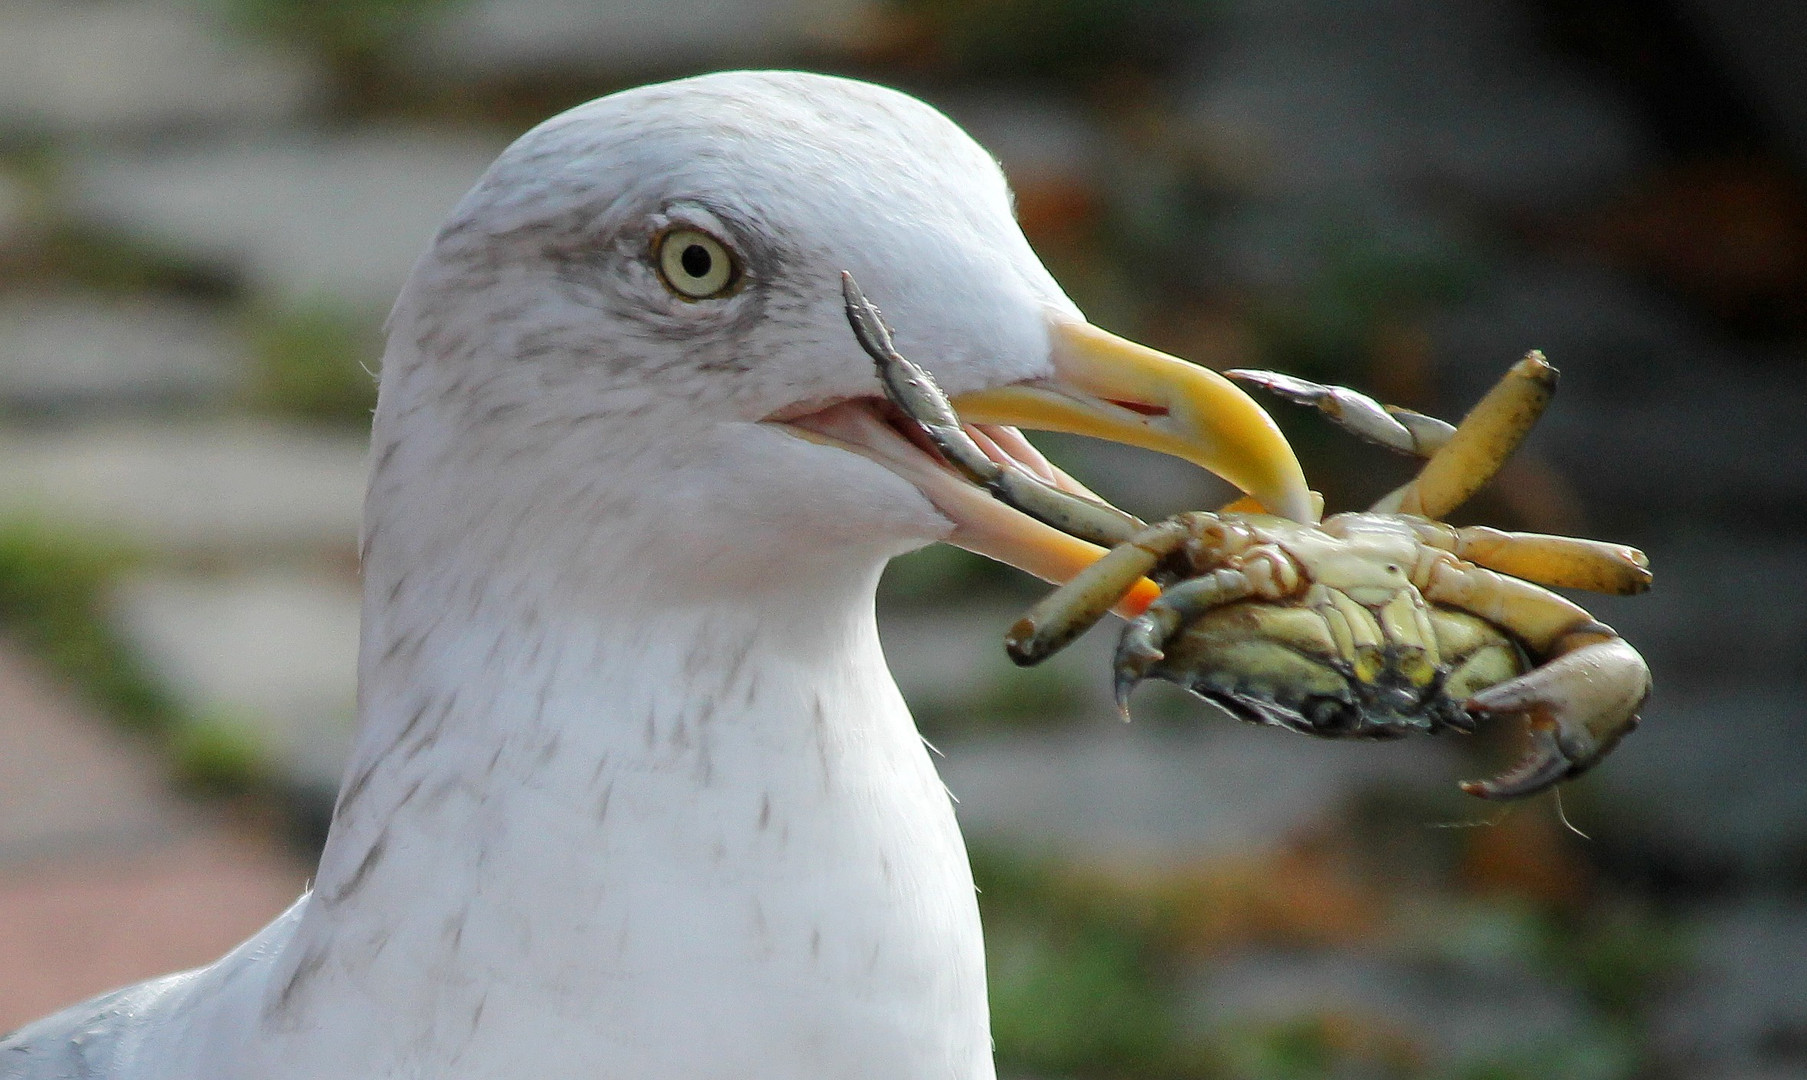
pixel 851 294
pixel 1123 691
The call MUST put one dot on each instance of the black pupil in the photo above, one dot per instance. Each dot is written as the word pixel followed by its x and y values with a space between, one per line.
pixel 696 260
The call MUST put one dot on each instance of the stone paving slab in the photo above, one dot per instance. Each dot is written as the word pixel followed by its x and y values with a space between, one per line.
pixel 1482 1012
pixel 209 487
pixel 1763 42
pixel 1744 1009
pixel 64 351
pixel 1713 779
pixel 68 781
pixel 305 218
pixel 954 659
pixel 126 68
pixel 489 39
pixel 1147 796
pixel 1724 614
pixel 1657 411
pixel 1036 138
pixel 273 652
pixel 15 211
pixel 1316 98
pixel 106 876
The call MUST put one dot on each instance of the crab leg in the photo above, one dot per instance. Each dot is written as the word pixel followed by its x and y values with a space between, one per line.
pixel 1386 425
pixel 1076 607
pixel 1140 647
pixel 912 389
pixel 1461 458
pixel 1581 699
pixel 1482 442
pixel 1560 561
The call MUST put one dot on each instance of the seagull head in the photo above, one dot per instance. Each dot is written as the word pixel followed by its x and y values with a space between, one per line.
pixel 628 343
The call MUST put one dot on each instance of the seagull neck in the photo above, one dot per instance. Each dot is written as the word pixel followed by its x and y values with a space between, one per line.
pixel 484 668
pixel 709 830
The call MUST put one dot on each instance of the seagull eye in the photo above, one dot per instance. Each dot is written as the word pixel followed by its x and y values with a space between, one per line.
pixel 694 264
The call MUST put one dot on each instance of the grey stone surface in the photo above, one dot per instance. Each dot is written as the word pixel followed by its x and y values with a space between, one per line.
pixel 272 651
pixel 953 660
pixel 217 488
pixel 1655 410
pixel 1713 778
pixel 68 350
pixel 85 69
pixel 1403 93
pixel 336 218
pixel 501 38
pixel 1139 794
pixel 1744 1011
pixel 15 211
pixel 1765 44
pixel 1452 1011
pixel 1723 616
pixel 68 779
pixel 1034 136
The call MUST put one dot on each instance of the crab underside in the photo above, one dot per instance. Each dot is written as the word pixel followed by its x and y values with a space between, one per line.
pixel 1278 664
pixel 1363 625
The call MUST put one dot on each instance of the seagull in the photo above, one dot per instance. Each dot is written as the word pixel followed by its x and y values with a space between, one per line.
pixel 634 794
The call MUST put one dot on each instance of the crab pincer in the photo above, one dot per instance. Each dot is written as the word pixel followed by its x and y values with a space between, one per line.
pixel 1576 707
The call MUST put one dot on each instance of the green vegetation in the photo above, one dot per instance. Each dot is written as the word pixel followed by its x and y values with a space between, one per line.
pixel 107 262
pixel 54 586
pixel 1315 1047
pixel 1366 279
pixel 54 583
pixel 345 31
pixel 1078 983
pixel 1591 1054
pixel 314 362
pixel 217 754
pixel 1059 39
pixel 1032 697
pixel 1619 956
pixel 1087 981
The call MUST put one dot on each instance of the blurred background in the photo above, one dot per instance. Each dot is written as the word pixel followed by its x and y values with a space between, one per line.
pixel 206 207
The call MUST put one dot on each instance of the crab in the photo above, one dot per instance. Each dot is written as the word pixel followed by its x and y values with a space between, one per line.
pixel 1372 625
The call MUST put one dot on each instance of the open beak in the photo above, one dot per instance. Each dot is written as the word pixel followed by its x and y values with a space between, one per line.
pixel 1102 386
pixel 1110 388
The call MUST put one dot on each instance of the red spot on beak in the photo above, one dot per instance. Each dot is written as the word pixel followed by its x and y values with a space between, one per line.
pixel 1139 407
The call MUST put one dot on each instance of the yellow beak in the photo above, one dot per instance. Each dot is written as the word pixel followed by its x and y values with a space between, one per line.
pixel 1110 388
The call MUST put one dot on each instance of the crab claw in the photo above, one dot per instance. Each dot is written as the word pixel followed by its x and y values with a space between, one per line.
pixel 1139 650
pixel 1579 705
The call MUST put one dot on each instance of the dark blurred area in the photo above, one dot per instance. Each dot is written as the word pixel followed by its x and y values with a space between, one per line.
pixel 206 207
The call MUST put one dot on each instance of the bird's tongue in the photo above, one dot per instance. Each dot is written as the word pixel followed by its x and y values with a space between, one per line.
pixel 1006 446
